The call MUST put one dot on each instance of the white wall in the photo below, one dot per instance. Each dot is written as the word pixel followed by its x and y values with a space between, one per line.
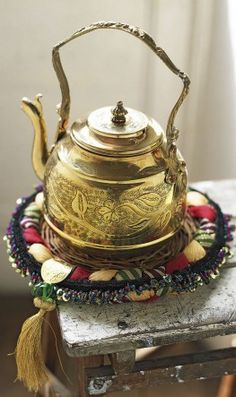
pixel 104 67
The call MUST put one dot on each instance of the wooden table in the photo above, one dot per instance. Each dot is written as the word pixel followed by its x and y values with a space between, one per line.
pixel 95 331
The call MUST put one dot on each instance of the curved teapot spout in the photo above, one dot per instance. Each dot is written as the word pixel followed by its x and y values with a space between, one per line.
pixel 34 111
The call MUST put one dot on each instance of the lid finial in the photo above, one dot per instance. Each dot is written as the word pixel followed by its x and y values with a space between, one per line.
pixel 119 113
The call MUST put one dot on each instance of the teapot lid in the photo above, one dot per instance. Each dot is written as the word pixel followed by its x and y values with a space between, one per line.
pixel 117 131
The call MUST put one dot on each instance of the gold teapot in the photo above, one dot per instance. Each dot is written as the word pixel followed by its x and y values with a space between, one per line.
pixel 114 183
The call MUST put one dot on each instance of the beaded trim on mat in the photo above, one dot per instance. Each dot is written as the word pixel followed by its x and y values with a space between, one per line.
pixel 142 288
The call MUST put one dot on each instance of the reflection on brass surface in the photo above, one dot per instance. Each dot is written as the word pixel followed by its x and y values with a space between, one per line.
pixel 114 181
pixel 34 111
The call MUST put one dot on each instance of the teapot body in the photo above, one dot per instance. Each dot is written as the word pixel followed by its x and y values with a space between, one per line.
pixel 117 204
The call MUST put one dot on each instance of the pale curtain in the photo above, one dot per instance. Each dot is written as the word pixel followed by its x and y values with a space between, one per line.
pixel 201 37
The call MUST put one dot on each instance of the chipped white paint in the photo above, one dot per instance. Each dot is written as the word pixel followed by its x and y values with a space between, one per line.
pixel 148 341
pixel 90 329
pixel 201 378
pixel 178 370
pixel 126 387
pixel 99 386
pixel 141 372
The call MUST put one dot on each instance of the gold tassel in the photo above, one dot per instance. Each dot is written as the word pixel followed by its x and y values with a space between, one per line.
pixel 31 369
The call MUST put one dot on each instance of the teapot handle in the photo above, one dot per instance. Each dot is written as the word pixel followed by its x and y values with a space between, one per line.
pixel 64 107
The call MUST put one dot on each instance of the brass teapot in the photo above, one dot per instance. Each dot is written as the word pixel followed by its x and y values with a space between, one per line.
pixel 115 182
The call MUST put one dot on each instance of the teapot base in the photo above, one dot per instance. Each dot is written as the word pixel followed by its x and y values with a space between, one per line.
pixel 146 255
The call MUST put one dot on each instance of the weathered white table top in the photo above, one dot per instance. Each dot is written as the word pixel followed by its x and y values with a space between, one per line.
pixel 209 311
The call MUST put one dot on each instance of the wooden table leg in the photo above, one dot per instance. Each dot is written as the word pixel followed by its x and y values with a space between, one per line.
pixel 122 362
pixel 83 363
pixel 50 336
pixel 53 388
pixel 226 387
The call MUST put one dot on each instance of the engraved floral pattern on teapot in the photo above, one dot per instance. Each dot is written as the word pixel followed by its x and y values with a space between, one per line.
pixel 140 207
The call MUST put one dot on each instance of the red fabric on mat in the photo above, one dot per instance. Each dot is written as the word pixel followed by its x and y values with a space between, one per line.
pixel 202 211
